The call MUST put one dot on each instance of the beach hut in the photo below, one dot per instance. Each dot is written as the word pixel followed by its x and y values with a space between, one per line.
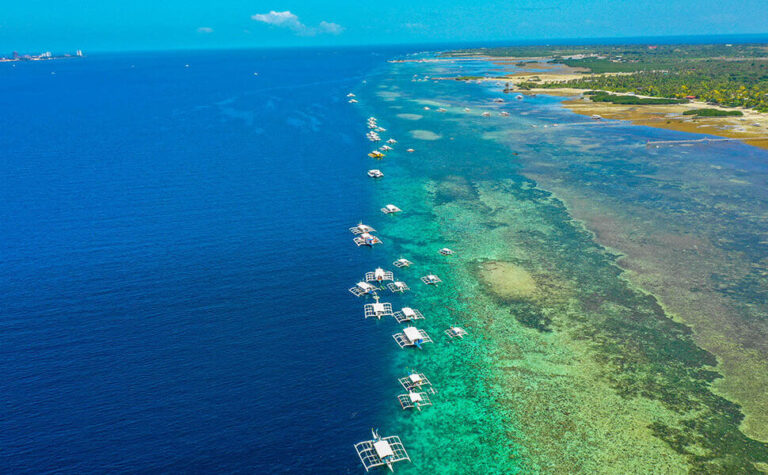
pixel 398 286
pixel 362 288
pixel 407 314
pixel 381 451
pixel 412 336
pixel 456 332
pixel 431 279
pixel 379 275
pixel 390 209
pixel 414 400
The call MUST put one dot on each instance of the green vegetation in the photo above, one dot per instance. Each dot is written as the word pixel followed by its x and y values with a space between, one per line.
pixel 727 75
pixel 601 96
pixel 713 113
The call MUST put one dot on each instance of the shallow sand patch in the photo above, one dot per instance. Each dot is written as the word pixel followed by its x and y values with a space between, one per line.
pixel 425 135
pixel 410 116
pixel 508 280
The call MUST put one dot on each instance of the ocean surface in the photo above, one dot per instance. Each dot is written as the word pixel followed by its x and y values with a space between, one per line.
pixel 175 259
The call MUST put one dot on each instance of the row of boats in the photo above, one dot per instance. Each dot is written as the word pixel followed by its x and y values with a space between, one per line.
pixel 382 451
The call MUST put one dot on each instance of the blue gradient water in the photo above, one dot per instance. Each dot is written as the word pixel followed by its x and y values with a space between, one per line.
pixel 174 258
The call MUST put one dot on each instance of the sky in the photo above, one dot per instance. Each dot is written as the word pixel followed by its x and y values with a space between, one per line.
pixel 116 25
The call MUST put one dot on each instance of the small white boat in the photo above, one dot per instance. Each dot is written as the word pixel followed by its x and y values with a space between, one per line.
pixel 445 251
pixel 377 310
pixel 416 380
pixel 362 288
pixel 375 173
pixel 361 229
pixel 431 279
pixel 390 209
pixel 402 263
pixel 350 95
pixel 379 275
pixel 352 101
pixel 410 150
pixel 391 141
pixel 504 114
pixel 407 314
pixel 381 451
pixel 398 287
pixel 426 108
pixel 412 336
pixel 414 400
pixel 366 239
pixel 519 97
pixel 486 114
pixel 456 332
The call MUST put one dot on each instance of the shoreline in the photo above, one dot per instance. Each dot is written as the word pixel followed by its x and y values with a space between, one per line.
pixel 663 116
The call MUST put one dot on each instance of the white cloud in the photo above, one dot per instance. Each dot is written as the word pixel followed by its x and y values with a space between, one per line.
pixel 205 29
pixel 331 28
pixel 290 21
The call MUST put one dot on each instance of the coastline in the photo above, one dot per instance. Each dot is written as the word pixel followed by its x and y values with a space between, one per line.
pixel 667 116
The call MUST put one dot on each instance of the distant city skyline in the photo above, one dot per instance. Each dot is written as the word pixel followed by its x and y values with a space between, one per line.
pixel 143 25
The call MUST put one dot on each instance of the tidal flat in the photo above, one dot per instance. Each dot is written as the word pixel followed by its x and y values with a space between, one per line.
pixel 613 293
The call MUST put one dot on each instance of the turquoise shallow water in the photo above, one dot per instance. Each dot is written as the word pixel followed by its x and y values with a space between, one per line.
pixel 542 383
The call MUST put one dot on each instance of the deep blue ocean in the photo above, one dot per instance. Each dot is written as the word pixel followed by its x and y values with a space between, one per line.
pixel 174 259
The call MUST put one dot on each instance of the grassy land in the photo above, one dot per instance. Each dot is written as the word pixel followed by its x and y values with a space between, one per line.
pixel 601 96
pixel 713 113
pixel 732 76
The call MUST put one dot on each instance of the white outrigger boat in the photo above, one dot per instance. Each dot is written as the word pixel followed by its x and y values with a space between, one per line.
pixel 381 451
pixel 366 239
pixel 416 381
pixel 412 336
pixel 377 309
pixel 398 286
pixel 431 279
pixel 414 400
pixel 363 288
pixel 352 101
pixel 400 263
pixel 375 173
pixel 391 141
pixel 385 148
pixel 350 95
pixel 456 332
pixel 407 314
pixel 486 114
pixel 410 150
pixel 379 275
pixel 361 229
pixel 390 209
pixel 445 251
